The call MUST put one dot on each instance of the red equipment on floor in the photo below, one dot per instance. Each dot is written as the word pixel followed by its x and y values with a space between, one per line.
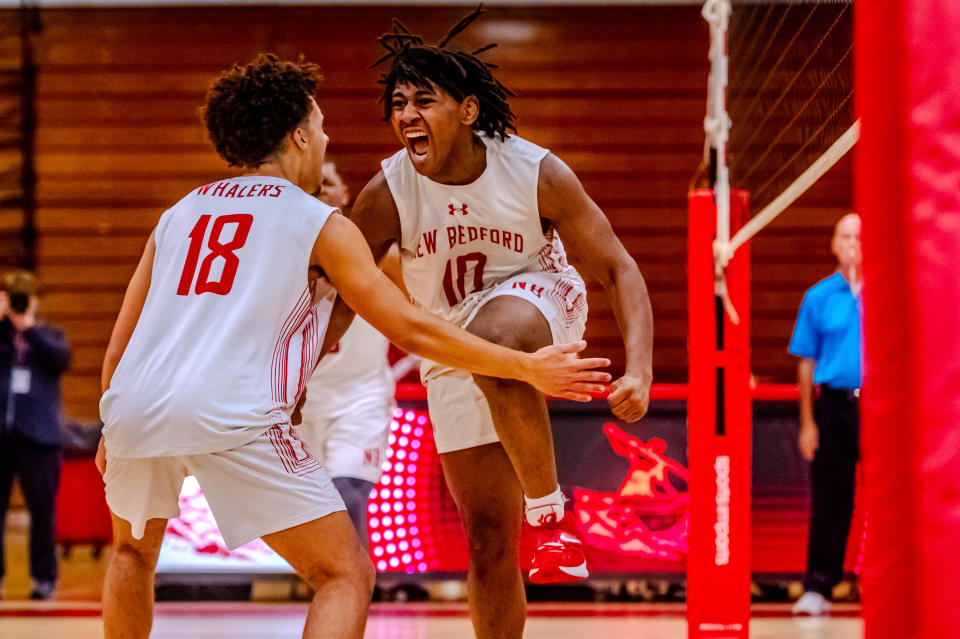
pixel 82 516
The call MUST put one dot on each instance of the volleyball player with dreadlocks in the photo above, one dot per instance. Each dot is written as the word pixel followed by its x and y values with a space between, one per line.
pixel 205 380
pixel 478 214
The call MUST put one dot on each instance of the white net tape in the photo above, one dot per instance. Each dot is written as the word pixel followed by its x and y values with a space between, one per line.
pixel 792 192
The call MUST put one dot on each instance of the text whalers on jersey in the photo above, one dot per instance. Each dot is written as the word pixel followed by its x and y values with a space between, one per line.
pixel 460 235
pixel 219 189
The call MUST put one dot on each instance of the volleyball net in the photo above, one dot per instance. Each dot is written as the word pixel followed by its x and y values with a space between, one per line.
pixel 780 116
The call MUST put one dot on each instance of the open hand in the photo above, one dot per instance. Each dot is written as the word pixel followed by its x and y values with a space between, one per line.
pixel 629 398
pixel 555 370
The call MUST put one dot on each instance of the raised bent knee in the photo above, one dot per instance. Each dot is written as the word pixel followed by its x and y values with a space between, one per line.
pixel 517 340
pixel 512 322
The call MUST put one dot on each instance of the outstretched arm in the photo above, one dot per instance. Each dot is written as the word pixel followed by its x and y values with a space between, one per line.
pixel 345 257
pixel 585 230
pixel 342 315
pixel 375 214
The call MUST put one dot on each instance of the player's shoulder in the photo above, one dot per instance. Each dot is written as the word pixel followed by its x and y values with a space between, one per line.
pixel 395 162
pixel 307 212
pixel 296 203
pixel 514 146
pixel 299 198
pixel 376 201
pixel 376 190
pixel 180 205
pixel 396 181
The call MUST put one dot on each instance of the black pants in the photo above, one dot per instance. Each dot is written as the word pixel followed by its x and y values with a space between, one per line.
pixel 38 469
pixel 833 475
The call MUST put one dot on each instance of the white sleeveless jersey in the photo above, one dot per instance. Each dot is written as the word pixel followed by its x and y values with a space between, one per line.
pixel 230 329
pixel 354 370
pixel 458 241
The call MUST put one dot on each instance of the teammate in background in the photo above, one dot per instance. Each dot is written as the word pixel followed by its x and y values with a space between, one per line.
pixel 478 215
pixel 350 397
pixel 218 331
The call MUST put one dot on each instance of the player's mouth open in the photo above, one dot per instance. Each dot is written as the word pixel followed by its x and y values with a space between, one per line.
pixel 418 141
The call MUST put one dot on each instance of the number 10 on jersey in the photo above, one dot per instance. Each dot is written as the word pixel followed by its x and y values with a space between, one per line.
pixel 463 263
pixel 231 262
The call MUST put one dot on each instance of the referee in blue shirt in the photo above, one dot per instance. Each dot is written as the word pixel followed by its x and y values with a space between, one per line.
pixel 827 337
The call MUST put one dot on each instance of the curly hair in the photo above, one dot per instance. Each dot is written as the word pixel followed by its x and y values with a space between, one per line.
pixel 251 108
pixel 458 73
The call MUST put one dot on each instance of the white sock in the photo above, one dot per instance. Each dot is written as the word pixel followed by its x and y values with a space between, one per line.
pixel 541 507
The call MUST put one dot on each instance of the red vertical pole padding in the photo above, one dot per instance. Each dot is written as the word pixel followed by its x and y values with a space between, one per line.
pixel 718 566
pixel 701 412
pixel 932 35
pixel 888 428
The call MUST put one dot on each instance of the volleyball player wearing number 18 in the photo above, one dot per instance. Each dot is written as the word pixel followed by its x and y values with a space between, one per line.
pixel 478 215
pixel 219 330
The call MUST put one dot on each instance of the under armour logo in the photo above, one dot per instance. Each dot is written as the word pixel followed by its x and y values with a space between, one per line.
pixel 459 209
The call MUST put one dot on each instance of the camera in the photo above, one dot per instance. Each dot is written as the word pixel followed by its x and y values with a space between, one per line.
pixel 19 302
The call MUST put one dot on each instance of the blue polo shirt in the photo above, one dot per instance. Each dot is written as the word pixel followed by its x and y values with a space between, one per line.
pixel 828 330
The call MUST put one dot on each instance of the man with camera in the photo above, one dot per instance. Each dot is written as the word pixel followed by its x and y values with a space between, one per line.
pixel 33 356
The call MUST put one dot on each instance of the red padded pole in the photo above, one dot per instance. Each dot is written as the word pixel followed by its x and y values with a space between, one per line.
pixel 908 194
pixel 718 566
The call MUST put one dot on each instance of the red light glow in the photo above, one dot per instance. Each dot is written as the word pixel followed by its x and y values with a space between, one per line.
pixel 412 521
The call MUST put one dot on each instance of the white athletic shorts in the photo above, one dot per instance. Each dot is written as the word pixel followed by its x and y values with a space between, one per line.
pixel 262 487
pixel 458 409
pixel 349 441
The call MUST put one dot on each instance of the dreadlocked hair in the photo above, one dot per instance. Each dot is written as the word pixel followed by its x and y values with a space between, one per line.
pixel 458 73
pixel 251 108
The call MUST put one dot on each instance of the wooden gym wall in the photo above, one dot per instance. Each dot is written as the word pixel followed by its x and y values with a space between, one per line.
pixel 618 93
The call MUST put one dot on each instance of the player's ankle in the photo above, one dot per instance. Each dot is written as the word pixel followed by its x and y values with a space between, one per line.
pixel 546 509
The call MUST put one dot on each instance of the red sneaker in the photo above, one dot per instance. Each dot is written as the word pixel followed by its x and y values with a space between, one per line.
pixel 559 554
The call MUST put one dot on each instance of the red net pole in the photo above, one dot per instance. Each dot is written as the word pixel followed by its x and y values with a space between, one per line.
pixel 908 98
pixel 719 415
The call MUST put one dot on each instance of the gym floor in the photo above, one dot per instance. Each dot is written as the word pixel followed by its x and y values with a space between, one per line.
pixel 75 613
